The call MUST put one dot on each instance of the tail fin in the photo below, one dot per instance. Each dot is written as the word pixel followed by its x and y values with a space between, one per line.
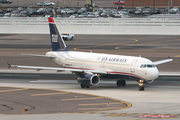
pixel 57 42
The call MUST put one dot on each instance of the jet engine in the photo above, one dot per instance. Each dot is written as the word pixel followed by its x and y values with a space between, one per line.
pixel 89 80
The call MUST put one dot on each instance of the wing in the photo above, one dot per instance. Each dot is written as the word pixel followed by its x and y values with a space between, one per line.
pixel 162 61
pixel 58 69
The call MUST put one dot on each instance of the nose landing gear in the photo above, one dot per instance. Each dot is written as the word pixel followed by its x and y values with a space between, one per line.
pixel 141 87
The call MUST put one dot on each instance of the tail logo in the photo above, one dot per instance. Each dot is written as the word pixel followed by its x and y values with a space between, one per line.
pixel 54 38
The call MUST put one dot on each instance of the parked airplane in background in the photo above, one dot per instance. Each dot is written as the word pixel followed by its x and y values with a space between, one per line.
pixel 90 67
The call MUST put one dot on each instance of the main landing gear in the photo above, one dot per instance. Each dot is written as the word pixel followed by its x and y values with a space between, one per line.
pixel 121 83
pixel 141 87
pixel 84 86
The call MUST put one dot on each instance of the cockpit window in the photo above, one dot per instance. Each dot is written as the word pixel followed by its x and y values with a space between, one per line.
pixel 147 66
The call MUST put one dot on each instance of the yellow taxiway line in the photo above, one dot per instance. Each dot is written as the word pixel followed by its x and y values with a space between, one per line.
pixel 48 94
pixel 133 40
pixel 14 90
pixel 177 56
pixel 101 104
pixel 10 35
pixel 148 43
pixel 98 108
pixel 83 98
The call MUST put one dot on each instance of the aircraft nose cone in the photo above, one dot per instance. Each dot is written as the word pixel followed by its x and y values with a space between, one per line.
pixel 153 74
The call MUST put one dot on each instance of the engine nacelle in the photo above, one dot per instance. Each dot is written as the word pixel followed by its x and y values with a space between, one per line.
pixel 149 81
pixel 89 80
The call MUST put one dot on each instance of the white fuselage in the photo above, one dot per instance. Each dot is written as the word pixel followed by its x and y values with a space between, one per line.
pixel 139 67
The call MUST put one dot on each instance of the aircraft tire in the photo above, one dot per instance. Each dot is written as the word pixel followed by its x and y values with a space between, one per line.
pixel 83 86
pixel 87 86
pixel 123 82
pixel 119 83
pixel 141 88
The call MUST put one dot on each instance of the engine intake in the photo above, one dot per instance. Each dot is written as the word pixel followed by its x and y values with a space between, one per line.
pixel 89 80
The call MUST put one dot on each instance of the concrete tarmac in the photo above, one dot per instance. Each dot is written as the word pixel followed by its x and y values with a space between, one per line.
pixel 159 99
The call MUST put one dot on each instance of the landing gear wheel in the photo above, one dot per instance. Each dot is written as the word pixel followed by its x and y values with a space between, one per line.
pixel 83 86
pixel 87 86
pixel 141 88
pixel 123 82
pixel 118 83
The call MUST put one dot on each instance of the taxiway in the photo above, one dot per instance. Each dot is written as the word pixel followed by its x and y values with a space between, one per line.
pixel 159 98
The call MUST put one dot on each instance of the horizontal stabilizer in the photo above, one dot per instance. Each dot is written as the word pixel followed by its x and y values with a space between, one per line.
pixel 36 55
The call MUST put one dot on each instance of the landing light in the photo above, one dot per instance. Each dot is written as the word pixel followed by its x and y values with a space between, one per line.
pixel 140 81
pixel 140 84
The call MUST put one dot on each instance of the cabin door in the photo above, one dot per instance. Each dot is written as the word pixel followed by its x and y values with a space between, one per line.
pixel 102 64
pixel 132 68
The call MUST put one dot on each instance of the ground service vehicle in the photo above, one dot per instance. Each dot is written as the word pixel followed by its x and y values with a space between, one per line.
pixel 67 36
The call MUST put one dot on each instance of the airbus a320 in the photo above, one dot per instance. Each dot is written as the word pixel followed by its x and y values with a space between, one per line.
pixel 92 67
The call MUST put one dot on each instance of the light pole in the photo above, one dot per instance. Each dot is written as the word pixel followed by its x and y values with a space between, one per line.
pixel 133 4
pixel 141 8
pixel 91 3
pixel 168 6
pixel 65 8
pixel 154 6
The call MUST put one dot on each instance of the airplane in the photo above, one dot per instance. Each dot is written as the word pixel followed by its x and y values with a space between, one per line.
pixel 90 67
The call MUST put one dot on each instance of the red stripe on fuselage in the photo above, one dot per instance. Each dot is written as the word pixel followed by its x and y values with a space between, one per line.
pixel 123 73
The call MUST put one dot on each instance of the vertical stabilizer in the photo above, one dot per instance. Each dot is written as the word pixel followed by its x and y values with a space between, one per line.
pixel 57 42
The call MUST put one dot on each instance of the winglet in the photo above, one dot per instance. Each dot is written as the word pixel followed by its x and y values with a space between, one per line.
pixel 9 65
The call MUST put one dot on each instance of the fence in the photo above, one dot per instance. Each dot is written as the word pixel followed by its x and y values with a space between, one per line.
pixel 141 26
